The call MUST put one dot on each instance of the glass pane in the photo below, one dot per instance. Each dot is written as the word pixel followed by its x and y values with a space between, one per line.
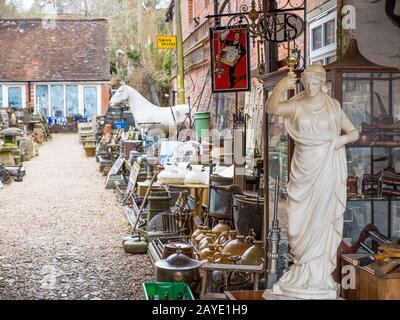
pixel 321 61
pixel 381 211
pixel 329 32
pixel 396 159
pixel 356 217
pixel 396 99
pixel 42 100
pixel 381 159
pixel 90 102
pixel 317 38
pixel 1 96
pixel 330 59
pixel 57 101
pixel 381 110
pixel 395 220
pixel 357 75
pixel 15 97
pixel 358 164
pixel 278 166
pixel 357 101
pixel 72 100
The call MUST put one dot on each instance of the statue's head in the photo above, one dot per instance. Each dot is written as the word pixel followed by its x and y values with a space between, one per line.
pixel 314 79
pixel 120 95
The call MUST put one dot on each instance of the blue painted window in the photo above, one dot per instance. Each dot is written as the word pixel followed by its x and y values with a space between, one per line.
pixel 72 100
pixel 90 98
pixel 57 101
pixel 15 97
pixel 42 100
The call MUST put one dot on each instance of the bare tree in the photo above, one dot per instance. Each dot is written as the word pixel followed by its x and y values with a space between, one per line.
pixel 8 9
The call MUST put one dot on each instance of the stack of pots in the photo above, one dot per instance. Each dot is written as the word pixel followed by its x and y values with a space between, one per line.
pixel 224 246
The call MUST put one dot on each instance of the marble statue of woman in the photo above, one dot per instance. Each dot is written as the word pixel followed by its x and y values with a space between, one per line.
pixel 317 186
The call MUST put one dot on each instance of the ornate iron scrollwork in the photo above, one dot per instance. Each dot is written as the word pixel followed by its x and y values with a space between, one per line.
pixel 281 26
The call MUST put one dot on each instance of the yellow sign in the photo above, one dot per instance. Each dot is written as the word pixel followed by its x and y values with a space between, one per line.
pixel 166 42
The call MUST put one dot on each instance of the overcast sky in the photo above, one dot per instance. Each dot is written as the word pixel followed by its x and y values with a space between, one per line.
pixel 24 4
pixel 163 4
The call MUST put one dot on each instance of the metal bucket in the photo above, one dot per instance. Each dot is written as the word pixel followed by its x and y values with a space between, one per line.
pixel 248 213
pixel 220 201
pixel 159 201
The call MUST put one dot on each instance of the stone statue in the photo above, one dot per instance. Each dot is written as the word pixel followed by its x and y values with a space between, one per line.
pixel 317 186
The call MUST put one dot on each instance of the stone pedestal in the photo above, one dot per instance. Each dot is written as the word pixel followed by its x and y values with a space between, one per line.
pixel 316 295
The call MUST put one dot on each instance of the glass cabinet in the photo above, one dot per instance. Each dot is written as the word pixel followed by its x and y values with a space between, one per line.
pixel 370 97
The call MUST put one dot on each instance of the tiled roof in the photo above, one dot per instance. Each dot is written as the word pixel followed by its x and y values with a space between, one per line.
pixel 61 50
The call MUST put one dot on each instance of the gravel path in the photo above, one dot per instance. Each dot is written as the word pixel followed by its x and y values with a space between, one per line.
pixel 61 231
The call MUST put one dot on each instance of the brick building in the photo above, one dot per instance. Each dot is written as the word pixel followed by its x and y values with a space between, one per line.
pixel 196 46
pixel 325 40
pixel 59 67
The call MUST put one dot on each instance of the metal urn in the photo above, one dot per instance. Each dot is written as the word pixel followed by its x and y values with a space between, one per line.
pixel 178 267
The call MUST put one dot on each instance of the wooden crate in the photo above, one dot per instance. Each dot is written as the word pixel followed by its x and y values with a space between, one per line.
pixel 370 287
pixel 245 295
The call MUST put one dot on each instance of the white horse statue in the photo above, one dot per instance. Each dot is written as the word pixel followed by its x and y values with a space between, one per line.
pixel 145 112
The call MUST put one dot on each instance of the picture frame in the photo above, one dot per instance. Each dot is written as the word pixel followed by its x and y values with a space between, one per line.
pixel 230 59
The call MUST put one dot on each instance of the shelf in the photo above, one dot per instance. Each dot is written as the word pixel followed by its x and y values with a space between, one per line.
pixel 369 147
pixel 375 199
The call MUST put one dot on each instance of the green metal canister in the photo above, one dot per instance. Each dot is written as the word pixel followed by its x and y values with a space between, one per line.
pixel 201 122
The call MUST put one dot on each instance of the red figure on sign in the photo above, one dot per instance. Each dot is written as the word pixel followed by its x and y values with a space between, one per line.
pixel 230 59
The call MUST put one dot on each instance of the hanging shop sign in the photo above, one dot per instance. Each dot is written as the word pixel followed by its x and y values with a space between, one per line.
pixel 280 27
pixel 230 59
pixel 166 42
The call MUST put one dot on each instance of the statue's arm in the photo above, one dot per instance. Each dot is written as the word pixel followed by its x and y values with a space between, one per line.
pixel 274 105
pixel 350 135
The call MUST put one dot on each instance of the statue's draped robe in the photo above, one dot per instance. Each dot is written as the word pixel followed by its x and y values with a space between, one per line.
pixel 316 196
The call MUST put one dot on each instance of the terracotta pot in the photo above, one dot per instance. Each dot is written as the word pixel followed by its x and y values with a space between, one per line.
pixel 232 236
pixel 210 251
pixel 221 226
pixel 221 258
pixel 200 237
pixel 236 247
pixel 254 255
pixel 199 230
pixel 223 237
pixel 173 247
pixel 207 241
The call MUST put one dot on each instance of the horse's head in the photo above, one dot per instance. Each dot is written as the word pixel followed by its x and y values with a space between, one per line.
pixel 120 95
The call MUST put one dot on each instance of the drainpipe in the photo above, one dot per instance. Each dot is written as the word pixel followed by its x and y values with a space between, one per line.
pixel 217 99
pixel 179 40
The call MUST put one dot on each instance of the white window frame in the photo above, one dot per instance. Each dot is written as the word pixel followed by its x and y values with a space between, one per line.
pixel 324 51
pixel 4 88
pixel 81 100
pixel 324 57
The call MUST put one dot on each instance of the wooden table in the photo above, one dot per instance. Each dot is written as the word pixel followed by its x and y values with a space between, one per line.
pixel 368 286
